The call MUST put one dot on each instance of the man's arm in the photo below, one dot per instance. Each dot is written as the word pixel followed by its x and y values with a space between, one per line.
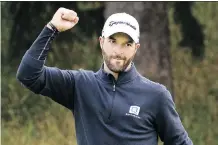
pixel 48 81
pixel 169 125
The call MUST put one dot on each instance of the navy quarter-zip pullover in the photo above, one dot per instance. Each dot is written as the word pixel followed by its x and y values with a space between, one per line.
pixel 131 110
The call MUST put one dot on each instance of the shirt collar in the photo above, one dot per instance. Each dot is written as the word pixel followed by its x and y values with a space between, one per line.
pixel 123 77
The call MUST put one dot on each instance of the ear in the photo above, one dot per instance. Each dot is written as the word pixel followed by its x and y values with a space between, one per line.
pixel 137 46
pixel 101 41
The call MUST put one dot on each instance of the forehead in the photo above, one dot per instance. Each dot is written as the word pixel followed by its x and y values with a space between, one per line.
pixel 121 36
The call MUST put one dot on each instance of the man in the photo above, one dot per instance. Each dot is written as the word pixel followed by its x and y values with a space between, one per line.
pixel 114 106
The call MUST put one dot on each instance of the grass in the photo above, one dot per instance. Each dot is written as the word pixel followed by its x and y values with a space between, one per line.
pixel 53 127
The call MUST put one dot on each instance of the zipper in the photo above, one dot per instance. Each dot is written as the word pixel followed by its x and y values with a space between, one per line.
pixel 114 89
pixel 114 86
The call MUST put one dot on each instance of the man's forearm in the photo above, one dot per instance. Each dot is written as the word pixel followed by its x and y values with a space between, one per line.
pixel 41 45
pixel 33 61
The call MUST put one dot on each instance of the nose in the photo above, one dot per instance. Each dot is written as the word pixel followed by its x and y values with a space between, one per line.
pixel 118 49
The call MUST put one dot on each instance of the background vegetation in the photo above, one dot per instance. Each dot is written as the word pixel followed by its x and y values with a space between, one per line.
pixel 32 119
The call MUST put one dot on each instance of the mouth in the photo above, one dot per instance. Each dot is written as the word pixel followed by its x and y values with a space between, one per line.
pixel 117 58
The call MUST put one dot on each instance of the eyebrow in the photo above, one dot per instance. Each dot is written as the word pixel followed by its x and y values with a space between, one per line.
pixel 111 37
pixel 129 41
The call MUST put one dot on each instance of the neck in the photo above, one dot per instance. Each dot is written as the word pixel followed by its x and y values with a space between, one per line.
pixel 106 69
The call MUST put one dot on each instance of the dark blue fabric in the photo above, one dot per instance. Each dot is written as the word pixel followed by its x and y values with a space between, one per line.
pixel 129 111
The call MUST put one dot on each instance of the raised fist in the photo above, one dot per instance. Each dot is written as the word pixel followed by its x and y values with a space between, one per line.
pixel 64 19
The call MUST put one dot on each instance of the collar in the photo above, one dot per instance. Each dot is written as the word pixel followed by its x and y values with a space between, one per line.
pixel 123 77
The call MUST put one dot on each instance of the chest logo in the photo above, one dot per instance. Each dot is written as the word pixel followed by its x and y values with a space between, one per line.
pixel 134 111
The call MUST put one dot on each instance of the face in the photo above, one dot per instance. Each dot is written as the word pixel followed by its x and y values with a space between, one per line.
pixel 118 51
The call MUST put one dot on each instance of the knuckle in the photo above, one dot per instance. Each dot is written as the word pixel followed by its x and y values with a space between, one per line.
pixel 74 13
pixel 61 8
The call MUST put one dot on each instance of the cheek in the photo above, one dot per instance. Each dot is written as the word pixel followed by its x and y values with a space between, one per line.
pixel 107 49
pixel 130 53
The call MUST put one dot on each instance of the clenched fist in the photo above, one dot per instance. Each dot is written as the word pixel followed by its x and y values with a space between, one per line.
pixel 64 19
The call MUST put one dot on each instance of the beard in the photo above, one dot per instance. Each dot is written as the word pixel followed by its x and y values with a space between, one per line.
pixel 116 63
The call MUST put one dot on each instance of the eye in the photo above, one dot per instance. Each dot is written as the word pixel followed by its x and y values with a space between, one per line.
pixel 112 41
pixel 129 44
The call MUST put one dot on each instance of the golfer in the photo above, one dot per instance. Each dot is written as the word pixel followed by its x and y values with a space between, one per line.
pixel 113 106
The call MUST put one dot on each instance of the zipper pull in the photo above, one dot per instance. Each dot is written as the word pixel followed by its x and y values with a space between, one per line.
pixel 114 84
pixel 114 87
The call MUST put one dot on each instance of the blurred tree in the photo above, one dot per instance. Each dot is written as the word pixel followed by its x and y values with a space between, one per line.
pixel 153 58
pixel 191 30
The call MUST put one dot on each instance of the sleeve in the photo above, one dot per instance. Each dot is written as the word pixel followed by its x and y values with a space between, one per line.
pixel 169 125
pixel 48 81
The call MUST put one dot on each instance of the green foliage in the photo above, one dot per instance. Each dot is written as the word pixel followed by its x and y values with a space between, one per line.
pixel 195 82
pixel 88 54
pixel 86 6
pixel 6 23
pixel 32 119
